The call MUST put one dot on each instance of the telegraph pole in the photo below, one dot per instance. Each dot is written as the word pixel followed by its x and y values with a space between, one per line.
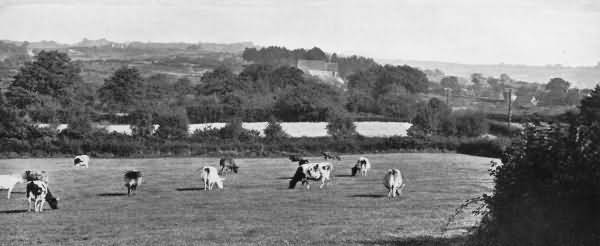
pixel 509 99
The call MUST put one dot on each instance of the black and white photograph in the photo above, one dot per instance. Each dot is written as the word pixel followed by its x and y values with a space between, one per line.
pixel 288 122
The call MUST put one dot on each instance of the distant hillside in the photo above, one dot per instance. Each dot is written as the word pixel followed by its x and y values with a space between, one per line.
pixel 581 77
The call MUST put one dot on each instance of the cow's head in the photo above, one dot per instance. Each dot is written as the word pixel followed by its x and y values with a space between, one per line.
pixel 220 183
pixel 52 200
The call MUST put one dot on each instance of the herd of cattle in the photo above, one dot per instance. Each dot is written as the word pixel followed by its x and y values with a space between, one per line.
pixel 37 191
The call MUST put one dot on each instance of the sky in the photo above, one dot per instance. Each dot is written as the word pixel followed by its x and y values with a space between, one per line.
pixel 532 32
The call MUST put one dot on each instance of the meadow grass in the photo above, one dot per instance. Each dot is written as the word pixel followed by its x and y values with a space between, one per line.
pixel 255 208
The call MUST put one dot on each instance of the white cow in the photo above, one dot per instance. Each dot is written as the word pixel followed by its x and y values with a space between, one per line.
pixel 312 171
pixel 210 177
pixel 394 182
pixel 9 182
pixel 81 161
pixel 363 165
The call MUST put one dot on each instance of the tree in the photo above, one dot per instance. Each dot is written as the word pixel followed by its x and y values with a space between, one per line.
pixel 123 91
pixel 285 77
pixel 51 75
pixel 79 124
pixel 556 92
pixel 590 108
pixel 400 107
pixel 173 124
pixel 558 85
pixel 315 54
pixel 412 79
pixel 470 123
pixel 340 125
pixel 309 102
pixel 432 117
pixel 220 82
pixel 233 130
pixel 451 82
pixel 273 131
pixel 141 125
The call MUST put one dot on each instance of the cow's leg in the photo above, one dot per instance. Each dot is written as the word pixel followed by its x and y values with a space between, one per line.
pixel 10 190
pixel 28 205
pixel 400 189
pixel 390 192
pixel 128 190
pixel 42 204
pixel 322 184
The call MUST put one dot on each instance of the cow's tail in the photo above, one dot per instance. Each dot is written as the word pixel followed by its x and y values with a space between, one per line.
pixel 299 175
pixel 235 169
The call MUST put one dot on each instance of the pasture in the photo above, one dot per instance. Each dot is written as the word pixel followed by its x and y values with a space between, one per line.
pixel 255 208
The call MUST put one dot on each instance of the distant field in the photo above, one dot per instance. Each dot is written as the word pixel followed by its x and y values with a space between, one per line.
pixel 255 208
pixel 294 129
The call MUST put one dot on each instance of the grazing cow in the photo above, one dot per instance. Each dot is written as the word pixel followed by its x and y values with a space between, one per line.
pixel 330 156
pixel 312 171
pixel 394 182
pixel 132 179
pixel 228 165
pixel 299 159
pixel 81 161
pixel 9 182
pixel 211 177
pixel 363 165
pixel 37 194
pixel 30 175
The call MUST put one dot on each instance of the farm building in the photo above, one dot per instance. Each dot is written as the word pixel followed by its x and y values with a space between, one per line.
pixel 326 71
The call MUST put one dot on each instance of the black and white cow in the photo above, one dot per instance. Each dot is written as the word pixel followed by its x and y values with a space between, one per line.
pixel 81 161
pixel 37 194
pixel 228 165
pixel 312 172
pixel 132 179
pixel 362 165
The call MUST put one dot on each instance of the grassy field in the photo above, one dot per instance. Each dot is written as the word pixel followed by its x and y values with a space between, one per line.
pixel 255 208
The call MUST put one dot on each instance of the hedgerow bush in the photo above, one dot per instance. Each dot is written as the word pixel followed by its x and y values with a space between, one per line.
pixel 484 147
pixel 547 191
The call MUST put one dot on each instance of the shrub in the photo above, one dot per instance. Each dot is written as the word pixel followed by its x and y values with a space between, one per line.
pixel 484 147
pixel 274 132
pixel 470 123
pixel 233 130
pixel 546 190
pixel 173 125
pixel 340 126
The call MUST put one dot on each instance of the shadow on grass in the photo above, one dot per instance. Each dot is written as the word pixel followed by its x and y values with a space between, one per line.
pixel 343 176
pixel 112 194
pixel 190 189
pixel 369 195
pixel 285 178
pixel 17 192
pixel 14 211
pixel 419 241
